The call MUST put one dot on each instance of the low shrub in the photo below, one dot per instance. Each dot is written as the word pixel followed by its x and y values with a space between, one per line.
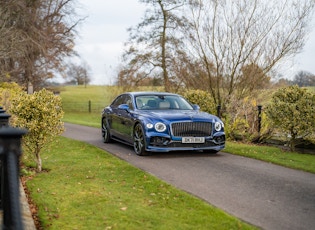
pixel 203 99
pixel 292 111
pixel 40 113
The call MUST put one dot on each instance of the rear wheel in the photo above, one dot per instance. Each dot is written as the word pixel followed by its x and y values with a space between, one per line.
pixel 139 141
pixel 105 132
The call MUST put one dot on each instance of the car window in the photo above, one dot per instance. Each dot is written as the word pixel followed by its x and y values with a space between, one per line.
pixel 123 99
pixel 118 101
pixel 161 102
pixel 128 101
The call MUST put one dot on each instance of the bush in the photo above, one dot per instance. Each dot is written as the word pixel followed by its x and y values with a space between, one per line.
pixel 203 99
pixel 242 121
pixel 292 110
pixel 7 92
pixel 240 116
pixel 40 113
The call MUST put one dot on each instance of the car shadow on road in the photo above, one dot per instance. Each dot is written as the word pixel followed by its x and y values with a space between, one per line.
pixel 183 154
pixel 117 147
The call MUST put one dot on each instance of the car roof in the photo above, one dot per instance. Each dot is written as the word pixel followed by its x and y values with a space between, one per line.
pixel 150 93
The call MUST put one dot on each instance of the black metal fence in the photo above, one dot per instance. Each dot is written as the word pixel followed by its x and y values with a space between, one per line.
pixel 86 106
pixel 10 152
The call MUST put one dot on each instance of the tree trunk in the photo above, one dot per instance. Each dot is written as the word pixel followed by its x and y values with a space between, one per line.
pixel 39 162
pixel 163 44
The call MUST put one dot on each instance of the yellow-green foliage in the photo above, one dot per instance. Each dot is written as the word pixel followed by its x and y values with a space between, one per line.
pixel 201 98
pixel 8 91
pixel 40 113
pixel 241 120
pixel 239 127
pixel 240 116
pixel 292 109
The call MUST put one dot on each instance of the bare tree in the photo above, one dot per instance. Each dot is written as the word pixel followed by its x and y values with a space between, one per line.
pixel 149 48
pixel 304 78
pixel 252 79
pixel 48 31
pixel 12 38
pixel 80 73
pixel 230 36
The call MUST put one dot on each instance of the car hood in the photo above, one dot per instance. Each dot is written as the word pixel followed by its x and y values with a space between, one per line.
pixel 178 115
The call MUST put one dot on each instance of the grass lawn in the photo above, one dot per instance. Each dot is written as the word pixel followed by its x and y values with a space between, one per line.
pixel 98 94
pixel 305 162
pixel 86 188
pixel 81 118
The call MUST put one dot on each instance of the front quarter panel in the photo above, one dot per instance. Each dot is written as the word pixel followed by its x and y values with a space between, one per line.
pixel 107 116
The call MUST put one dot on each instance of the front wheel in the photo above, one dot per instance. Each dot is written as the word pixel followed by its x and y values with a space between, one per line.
pixel 139 141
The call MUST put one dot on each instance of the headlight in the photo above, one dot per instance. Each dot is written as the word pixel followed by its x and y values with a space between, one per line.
pixel 218 126
pixel 149 126
pixel 160 127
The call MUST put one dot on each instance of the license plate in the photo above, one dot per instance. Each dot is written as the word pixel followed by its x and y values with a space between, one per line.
pixel 193 140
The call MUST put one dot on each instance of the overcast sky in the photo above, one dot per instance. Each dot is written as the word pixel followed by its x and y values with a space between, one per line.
pixel 104 32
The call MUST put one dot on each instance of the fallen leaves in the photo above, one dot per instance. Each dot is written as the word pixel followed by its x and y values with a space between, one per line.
pixel 123 208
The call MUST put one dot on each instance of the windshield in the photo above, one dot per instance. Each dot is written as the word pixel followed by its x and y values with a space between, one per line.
pixel 162 102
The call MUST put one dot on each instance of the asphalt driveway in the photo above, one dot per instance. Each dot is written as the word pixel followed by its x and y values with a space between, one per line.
pixel 263 194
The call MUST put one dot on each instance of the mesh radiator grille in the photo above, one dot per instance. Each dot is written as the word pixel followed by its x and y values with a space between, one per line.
pixel 191 129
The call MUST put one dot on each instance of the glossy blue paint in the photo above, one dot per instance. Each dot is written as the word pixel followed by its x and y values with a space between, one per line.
pixel 120 118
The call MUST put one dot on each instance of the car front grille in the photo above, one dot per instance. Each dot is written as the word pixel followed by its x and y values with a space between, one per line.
pixel 191 129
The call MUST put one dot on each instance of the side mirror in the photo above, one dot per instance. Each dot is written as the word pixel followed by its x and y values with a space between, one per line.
pixel 124 107
pixel 196 107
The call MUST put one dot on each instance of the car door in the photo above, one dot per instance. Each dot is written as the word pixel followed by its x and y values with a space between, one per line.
pixel 126 120
pixel 121 119
pixel 115 117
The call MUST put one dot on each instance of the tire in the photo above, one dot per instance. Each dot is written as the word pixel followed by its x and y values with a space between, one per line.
pixel 105 132
pixel 139 141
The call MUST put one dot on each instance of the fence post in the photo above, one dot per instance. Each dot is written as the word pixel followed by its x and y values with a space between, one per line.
pixel 219 111
pixel 4 121
pixel 90 106
pixel 10 151
pixel 259 117
pixel 4 118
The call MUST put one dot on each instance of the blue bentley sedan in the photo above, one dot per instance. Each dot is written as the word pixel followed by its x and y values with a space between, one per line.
pixel 161 122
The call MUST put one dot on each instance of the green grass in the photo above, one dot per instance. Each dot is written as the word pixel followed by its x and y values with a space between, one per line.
pixel 102 95
pixel 99 94
pixel 81 118
pixel 311 88
pixel 87 188
pixel 275 155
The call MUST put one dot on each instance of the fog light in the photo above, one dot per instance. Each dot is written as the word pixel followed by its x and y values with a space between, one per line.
pixel 220 139
pixel 159 141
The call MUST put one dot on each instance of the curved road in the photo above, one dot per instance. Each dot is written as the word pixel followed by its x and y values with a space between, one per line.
pixel 263 194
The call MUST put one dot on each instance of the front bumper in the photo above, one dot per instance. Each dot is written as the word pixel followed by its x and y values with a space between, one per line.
pixel 165 143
